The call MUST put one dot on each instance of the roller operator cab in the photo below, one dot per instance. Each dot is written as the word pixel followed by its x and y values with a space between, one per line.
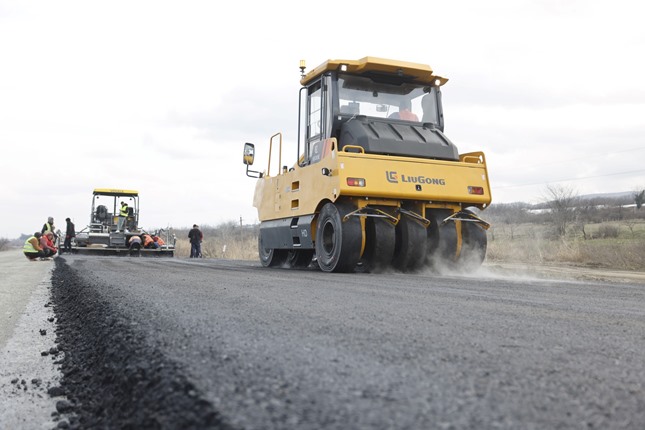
pixel 373 183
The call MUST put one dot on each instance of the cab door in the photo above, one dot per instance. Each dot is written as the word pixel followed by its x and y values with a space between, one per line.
pixel 316 116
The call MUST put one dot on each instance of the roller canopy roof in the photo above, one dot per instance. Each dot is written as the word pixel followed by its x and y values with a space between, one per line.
pixel 114 192
pixel 409 72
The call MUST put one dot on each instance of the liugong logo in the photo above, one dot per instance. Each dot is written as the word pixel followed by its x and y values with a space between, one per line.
pixel 393 177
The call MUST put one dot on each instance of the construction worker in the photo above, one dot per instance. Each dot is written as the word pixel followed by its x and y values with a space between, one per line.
pixel 159 242
pixel 47 244
pixel 123 216
pixel 134 244
pixel 70 232
pixel 32 249
pixel 195 236
pixel 49 226
pixel 405 112
pixel 147 241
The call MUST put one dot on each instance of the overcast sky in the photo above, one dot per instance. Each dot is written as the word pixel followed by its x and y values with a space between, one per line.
pixel 160 96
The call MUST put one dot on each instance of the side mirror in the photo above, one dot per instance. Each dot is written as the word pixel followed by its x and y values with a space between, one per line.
pixel 249 154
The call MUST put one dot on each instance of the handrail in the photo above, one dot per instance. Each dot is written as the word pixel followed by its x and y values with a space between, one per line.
pixel 473 157
pixel 359 148
pixel 279 153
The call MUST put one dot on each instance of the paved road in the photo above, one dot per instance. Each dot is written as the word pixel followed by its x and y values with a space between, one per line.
pixel 253 348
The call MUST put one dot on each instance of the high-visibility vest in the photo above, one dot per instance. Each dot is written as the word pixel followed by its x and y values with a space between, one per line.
pixel 147 240
pixel 124 210
pixel 29 246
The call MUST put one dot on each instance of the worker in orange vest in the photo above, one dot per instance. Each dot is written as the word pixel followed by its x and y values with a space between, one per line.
pixel 147 241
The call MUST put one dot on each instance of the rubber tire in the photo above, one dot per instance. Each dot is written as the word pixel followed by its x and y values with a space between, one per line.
pixel 299 258
pixel 442 241
pixel 271 257
pixel 473 247
pixel 338 244
pixel 410 249
pixel 380 241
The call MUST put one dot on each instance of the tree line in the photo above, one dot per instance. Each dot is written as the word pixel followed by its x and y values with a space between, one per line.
pixel 563 207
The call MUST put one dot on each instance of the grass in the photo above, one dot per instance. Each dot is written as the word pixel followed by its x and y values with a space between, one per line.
pixel 233 247
pixel 610 245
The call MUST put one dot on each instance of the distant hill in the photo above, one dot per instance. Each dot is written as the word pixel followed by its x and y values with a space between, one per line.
pixel 617 196
pixel 20 241
pixel 624 198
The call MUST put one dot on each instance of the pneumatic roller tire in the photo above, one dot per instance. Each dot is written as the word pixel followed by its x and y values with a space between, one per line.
pixel 338 243
pixel 271 257
pixel 380 240
pixel 410 248
pixel 299 258
pixel 473 247
pixel 442 241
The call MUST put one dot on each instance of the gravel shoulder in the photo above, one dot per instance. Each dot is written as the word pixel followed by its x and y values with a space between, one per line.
pixel 29 358
pixel 563 272
pixel 19 278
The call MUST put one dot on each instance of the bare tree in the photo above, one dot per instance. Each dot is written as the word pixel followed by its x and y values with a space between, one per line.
pixel 630 223
pixel 639 198
pixel 562 202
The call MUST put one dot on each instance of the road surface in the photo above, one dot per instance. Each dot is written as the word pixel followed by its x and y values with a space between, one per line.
pixel 180 343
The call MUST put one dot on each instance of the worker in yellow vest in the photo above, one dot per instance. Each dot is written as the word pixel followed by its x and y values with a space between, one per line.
pixel 32 248
pixel 123 216
pixel 49 226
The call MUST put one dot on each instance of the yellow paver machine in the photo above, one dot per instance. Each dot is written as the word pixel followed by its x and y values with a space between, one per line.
pixel 111 228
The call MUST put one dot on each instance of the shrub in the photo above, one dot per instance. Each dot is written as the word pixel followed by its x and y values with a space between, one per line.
pixel 607 231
